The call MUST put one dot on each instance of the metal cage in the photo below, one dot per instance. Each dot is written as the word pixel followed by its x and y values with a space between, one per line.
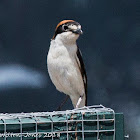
pixel 87 123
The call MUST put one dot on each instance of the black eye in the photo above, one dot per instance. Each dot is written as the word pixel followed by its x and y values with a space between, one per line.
pixel 65 27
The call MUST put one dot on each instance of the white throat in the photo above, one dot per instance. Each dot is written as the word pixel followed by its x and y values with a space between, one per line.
pixel 67 38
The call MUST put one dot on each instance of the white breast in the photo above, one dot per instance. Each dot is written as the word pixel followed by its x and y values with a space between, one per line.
pixel 63 69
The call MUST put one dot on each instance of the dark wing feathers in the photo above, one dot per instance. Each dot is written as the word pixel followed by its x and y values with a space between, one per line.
pixel 83 71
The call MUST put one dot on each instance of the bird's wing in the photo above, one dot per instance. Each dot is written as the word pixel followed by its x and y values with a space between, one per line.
pixel 82 70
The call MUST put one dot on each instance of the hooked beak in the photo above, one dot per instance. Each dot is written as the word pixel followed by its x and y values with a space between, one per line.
pixel 78 31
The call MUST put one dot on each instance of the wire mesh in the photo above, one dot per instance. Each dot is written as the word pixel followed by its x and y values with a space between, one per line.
pixel 93 122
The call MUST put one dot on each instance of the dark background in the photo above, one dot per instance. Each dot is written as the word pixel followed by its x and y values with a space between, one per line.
pixel 109 46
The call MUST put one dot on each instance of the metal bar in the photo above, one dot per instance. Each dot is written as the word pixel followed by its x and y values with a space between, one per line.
pixel 82 127
pixel 67 126
pixel 66 121
pixel 97 126
pixel 20 127
pixel 51 126
pixel 114 125
pixel 4 128
pixel 36 127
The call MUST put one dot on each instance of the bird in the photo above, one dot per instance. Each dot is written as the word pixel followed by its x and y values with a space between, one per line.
pixel 65 64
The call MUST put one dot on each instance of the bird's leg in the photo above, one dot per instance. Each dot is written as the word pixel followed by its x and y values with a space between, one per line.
pixel 61 105
pixel 79 101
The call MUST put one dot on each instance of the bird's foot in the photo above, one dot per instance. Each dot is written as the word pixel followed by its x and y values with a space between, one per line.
pixel 79 101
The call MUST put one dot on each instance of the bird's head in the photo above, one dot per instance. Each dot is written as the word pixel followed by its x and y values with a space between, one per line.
pixel 68 30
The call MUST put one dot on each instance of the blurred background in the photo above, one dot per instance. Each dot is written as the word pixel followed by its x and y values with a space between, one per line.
pixel 109 46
